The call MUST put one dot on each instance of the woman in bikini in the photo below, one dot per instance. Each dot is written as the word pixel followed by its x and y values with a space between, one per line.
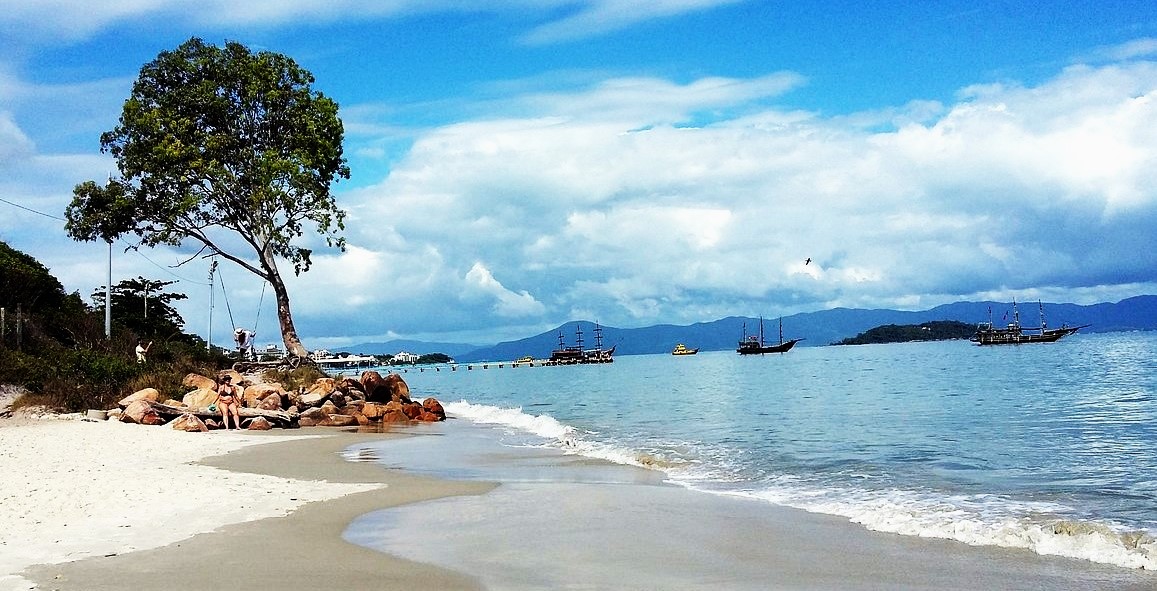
pixel 227 402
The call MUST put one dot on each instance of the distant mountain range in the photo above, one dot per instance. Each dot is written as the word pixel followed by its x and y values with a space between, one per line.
pixel 816 328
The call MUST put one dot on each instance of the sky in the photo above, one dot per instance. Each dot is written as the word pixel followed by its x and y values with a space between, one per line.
pixel 517 164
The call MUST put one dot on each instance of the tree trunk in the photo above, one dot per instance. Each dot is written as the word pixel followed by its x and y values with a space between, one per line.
pixel 289 336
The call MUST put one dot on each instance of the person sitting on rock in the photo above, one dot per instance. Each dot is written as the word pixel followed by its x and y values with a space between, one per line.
pixel 228 402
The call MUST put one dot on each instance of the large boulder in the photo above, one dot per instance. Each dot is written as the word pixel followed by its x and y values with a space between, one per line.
pixel 270 402
pixel 318 392
pixel 338 421
pixel 311 417
pixel 395 413
pixel 200 398
pixel 391 388
pixel 149 394
pixel 198 382
pixel 373 411
pixel 190 423
pixel 259 424
pixel 142 413
pixel 255 393
pixel 432 410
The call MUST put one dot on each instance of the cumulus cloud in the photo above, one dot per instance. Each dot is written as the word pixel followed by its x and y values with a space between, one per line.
pixel 606 205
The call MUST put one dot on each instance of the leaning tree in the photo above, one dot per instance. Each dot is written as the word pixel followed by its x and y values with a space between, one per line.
pixel 216 144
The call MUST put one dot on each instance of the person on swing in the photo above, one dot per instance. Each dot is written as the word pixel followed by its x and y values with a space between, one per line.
pixel 244 339
pixel 228 402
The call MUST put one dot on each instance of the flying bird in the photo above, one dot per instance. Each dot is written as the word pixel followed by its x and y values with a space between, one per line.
pixel 809 259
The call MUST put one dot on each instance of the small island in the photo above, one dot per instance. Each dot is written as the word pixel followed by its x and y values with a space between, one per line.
pixel 937 330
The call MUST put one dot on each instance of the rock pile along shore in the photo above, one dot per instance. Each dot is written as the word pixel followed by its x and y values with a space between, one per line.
pixel 328 402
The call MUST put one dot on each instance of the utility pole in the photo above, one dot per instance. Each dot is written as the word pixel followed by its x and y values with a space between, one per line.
pixel 209 339
pixel 108 297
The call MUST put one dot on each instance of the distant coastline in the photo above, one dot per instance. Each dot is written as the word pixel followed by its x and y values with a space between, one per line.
pixel 817 328
pixel 941 330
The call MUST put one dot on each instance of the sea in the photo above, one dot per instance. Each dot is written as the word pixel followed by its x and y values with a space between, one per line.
pixel 1050 448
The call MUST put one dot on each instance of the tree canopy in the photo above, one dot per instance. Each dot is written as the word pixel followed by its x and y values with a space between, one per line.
pixel 217 143
pixel 143 306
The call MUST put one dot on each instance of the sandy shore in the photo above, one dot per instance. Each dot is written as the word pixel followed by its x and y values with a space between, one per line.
pixel 133 499
pixel 111 506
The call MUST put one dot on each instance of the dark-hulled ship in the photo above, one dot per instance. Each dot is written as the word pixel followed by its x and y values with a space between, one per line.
pixel 1015 334
pixel 565 355
pixel 754 344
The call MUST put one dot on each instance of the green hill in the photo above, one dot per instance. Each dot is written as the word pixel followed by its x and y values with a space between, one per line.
pixel 939 330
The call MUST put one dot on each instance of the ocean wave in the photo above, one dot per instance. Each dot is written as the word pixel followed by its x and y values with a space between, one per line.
pixel 560 436
pixel 980 520
pixel 983 520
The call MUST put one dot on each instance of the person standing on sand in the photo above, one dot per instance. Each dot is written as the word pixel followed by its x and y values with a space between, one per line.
pixel 228 401
pixel 141 350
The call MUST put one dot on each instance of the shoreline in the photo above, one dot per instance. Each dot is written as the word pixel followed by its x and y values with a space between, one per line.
pixel 202 511
pixel 514 519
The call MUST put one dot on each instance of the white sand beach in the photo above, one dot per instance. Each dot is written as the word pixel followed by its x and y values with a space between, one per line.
pixel 74 489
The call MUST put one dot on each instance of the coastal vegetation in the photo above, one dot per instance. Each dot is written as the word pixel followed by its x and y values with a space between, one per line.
pixel 54 345
pixel 230 150
pixel 938 330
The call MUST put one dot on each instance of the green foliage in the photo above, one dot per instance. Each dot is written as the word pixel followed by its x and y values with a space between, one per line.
pixel 142 306
pixel 430 358
pixel 63 356
pixel 939 330
pixel 219 138
pixel 217 144
pixel 296 378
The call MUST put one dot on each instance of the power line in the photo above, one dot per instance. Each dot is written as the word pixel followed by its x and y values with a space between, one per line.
pixel 47 215
pixel 126 244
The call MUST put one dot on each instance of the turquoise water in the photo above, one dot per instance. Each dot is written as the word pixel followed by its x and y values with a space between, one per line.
pixel 1049 447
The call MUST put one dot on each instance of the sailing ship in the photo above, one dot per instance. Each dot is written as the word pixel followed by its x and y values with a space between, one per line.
pixel 565 355
pixel 682 349
pixel 1015 334
pixel 754 344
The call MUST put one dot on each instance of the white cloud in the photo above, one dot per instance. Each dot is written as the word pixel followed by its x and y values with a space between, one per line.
pixel 70 20
pixel 507 303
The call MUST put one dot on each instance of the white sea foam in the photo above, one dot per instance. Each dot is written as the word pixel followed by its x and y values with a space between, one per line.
pixel 979 521
pixel 982 520
pixel 555 434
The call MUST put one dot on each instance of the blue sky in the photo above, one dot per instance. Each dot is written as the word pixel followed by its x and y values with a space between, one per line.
pixel 520 163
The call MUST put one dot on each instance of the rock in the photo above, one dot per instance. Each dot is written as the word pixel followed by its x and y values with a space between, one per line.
pixel 200 398
pixel 432 407
pixel 313 398
pixel 387 389
pixel 349 385
pixel 338 421
pixel 270 402
pixel 198 382
pixel 149 394
pixel 172 402
pixel 212 424
pixel 259 424
pixel 329 408
pixel 413 410
pixel 257 392
pixel 190 423
pixel 373 410
pixel 311 417
pixel 395 413
pixel 142 413
pixel 338 399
